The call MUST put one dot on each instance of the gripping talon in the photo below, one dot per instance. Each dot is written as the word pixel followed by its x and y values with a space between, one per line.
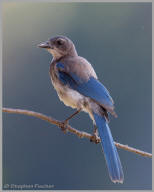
pixel 94 139
pixel 63 126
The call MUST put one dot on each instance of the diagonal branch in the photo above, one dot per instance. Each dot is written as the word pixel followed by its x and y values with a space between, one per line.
pixel 80 134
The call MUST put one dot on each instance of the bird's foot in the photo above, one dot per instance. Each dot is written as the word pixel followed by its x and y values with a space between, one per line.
pixel 63 126
pixel 95 139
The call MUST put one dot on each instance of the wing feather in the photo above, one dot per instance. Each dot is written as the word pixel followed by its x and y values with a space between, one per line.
pixel 91 88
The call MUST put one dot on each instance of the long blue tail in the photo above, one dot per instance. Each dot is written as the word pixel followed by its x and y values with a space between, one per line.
pixel 110 151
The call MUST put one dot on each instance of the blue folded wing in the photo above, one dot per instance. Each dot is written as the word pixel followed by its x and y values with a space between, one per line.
pixel 91 88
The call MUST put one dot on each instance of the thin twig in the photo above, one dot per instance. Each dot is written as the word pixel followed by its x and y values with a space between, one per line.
pixel 80 134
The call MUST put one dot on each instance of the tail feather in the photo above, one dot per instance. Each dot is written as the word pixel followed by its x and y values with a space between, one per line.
pixel 110 151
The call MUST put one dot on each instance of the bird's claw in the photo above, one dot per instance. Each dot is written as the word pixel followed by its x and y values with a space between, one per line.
pixel 63 126
pixel 94 139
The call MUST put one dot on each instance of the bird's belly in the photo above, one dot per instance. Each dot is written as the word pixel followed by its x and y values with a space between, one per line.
pixel 69 96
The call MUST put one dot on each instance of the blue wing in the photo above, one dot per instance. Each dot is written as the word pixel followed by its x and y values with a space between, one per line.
pixel 91 88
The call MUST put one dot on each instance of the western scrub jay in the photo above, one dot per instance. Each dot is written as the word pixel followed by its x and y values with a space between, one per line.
pixel 77 86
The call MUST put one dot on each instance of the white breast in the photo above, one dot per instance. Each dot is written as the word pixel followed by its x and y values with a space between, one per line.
pixel 68 96
pixel 73 98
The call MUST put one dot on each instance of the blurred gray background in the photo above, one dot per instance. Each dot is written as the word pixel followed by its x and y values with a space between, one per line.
pixel 117 39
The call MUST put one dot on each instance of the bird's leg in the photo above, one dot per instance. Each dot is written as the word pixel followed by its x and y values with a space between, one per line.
pixel 70 117
pixel 95 137
pixel 65 122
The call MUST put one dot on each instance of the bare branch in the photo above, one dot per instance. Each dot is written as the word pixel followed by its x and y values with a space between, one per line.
pixel 80 134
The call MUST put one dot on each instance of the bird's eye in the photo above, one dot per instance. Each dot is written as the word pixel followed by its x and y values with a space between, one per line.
pixel 60 42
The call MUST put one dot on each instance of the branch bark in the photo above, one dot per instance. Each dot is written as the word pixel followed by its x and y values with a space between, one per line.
pixel 80 134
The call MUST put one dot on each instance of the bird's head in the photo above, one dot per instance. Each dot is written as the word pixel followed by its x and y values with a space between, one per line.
pixel 59 46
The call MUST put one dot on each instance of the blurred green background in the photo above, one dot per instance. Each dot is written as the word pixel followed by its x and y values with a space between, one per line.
pixel 117 39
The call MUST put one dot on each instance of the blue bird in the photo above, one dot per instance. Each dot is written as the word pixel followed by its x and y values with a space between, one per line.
pixel 77 86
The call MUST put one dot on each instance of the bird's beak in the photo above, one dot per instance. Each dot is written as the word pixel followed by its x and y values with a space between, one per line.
pixel 45 45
